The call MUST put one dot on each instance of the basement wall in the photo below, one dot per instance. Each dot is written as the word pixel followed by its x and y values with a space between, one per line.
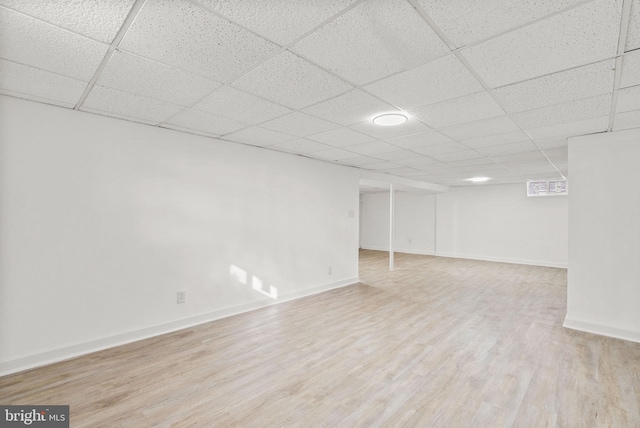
pixel 604 235
pixel 103 221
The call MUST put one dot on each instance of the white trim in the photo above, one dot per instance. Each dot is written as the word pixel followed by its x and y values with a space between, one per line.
pixel 417 251
pixel 60 354
pixel 602 330
pixel 544 263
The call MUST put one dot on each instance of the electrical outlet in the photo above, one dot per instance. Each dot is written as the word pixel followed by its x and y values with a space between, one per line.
pixel 330 270
pixel 182 296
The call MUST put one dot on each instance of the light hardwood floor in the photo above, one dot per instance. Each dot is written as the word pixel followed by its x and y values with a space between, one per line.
pixel 437 342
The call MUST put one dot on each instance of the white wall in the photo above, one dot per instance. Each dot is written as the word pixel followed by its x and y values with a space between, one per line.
pixel 414 225
pixel 500 223
pixel 102 221
pixel 604 235
pixel 488 222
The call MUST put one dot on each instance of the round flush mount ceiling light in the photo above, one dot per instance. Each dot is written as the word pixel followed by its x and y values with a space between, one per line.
pixel 478 179
pixel 390 119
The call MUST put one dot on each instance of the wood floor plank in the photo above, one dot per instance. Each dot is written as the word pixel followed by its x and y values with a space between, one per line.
pixel 436 342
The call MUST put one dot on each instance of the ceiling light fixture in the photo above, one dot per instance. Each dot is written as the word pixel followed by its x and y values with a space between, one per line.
pixel 390 119
pixel 478 179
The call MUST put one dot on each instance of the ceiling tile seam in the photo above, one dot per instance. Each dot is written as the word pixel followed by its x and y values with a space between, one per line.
pixel 586 64
pixel 614 97
pixel 128 21
pixel 563 102
pixel 451 46
pixel 499 102
pixel 268 58
pixel 622 41
pixel 37 98
pixel 173 67
pixel 438 103
pixel 189 131
pixel 102 42
pixel 117 116
pixel 521 26
pixel 42 69
pixel 294 41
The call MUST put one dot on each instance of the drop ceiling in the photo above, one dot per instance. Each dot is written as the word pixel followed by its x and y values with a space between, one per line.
pixel 492 88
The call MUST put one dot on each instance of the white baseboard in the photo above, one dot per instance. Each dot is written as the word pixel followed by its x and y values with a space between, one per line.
pixel 602 330
pixel 60 354
pixel 399 250
pixel 503 260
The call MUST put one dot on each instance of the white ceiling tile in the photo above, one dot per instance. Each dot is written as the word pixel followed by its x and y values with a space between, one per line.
pixel 543 176
pixel 302 145
pixel 579 36
pixel 564 113
pixel 627 120
pixel 140 76
pixel 440 148
pixel 533 155
pixel 299 124
pixel 131 119
pixel 97 19
pixel 437 81
pixel 411 126
pixel 630 69
pixel 551 143
pixel 380 166
pixel 481 128
pixel 465 22
pixel 420 140
pixel 340 137
pixel 257 136
pixel 35 98
pixel 558 154
pixel 132 106
pixel 403 171
pixel 204 121
pixel 32 42
pixel 580 127
pixel 504 149
pixel 282 21
pixel 473 162
pixel 418 162
pixel 241 106
pixel 289 80
pixel 364 44
pixel 372 148
pixel 359 161
pixel 492 170
pixel 396 156
pixel 187 36
pixel 456 156
pixel 468 108
pixel 628 99
pixel 633 35
pixel 353 107
pixel 530 167
pixel 562 87
pixel 21 79
pixel 332 155
pixel 494 140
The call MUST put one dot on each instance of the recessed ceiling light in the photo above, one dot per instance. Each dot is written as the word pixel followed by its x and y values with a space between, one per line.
pixel 390 119
pixel 478 179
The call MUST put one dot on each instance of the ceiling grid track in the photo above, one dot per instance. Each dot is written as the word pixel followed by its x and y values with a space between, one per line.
pixel 622 42
pixel 487 88
pixel 112 48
